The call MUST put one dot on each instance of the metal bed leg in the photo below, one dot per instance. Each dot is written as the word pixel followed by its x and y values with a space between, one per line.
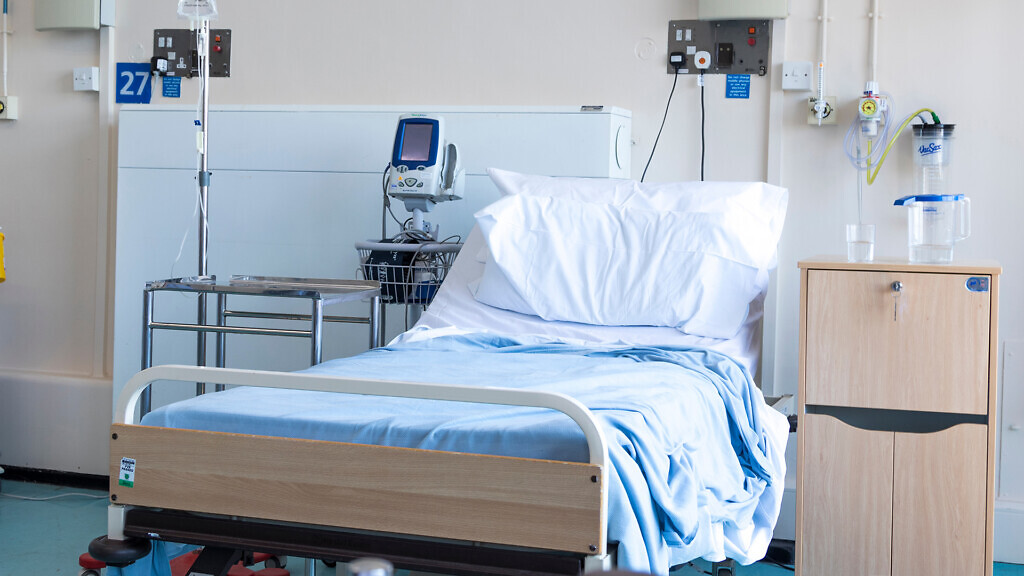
pixel 146 402
pixel 201 342
pixel 316 334
pixel 726 568
pixel 375 322
pixel 215 561
pixel 310 567
pixel 222 305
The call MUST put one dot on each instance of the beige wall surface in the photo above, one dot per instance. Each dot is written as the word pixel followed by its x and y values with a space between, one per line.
pixel 55 193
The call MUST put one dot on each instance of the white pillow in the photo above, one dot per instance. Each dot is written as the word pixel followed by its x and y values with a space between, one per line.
pixel 763 201
pixel 579 261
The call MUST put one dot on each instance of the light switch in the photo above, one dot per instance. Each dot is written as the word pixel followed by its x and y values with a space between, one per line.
pixel 796 75
pixel 87 79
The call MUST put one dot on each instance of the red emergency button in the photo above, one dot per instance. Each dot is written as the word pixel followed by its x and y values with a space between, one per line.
pixel 217 48
pixel 751 41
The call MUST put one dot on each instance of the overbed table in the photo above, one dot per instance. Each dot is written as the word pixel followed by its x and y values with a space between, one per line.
pixel 320 291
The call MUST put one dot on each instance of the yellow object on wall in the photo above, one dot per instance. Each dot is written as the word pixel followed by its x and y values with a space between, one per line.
pixel 3 267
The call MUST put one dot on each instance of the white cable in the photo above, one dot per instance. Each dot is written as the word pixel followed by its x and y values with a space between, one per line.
pixel 199 103
pixel 65 495
pixel 181 247
pixel 202 46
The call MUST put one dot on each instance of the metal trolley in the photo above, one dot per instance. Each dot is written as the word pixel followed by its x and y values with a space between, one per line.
pixel 408 273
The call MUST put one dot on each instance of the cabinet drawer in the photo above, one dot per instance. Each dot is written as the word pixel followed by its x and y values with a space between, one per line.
pixel 925 348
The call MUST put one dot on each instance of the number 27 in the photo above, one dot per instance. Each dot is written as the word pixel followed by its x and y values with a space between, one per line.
pixel 143 78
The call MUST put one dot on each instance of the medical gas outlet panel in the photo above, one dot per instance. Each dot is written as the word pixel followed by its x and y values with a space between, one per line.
pixel 175 53
pixel 735 46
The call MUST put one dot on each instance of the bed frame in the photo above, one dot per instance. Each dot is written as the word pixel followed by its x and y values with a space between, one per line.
pixel 454 513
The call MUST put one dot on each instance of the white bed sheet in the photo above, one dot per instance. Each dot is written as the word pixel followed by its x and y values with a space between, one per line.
pixel 455 310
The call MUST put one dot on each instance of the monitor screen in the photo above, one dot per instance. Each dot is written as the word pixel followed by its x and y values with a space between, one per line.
pixel 416 142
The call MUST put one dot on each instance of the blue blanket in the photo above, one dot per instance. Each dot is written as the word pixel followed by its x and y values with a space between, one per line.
pixel 697 466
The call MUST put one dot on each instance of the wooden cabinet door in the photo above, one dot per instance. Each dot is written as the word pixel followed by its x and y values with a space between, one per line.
pixel 939 502
pixel 844 499
pixel 925 350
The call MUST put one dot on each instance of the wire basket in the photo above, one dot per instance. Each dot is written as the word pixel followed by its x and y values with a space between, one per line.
pixel 409 273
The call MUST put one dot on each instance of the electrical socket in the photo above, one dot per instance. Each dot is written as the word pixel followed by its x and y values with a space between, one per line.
pixel 8 107
pixel 830 118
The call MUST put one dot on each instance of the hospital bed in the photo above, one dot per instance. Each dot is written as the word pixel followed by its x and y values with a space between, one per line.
pixel 524 425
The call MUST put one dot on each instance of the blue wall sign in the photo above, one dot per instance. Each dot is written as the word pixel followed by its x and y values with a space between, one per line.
pixel 737 85
pixel 172 87
pixel 133 83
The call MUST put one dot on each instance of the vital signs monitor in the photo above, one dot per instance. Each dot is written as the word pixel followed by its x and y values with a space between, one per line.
pixel 425 169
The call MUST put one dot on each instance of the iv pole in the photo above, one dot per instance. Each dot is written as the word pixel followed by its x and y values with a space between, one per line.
pixel 204 191
pixel 203 176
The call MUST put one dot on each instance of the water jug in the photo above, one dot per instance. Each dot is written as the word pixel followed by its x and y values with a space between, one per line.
pixel 935 223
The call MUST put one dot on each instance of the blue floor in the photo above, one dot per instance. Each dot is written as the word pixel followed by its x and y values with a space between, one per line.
pixel 45 537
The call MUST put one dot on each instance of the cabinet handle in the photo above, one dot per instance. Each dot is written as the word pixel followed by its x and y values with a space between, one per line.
pixel 897 286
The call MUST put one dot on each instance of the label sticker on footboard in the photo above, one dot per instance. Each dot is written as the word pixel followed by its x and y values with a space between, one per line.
pixel 127 476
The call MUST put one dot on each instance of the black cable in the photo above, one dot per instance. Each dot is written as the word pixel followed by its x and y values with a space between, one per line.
pixel 702 126
pixel 655 147
pixel 387 206
pixel 387 203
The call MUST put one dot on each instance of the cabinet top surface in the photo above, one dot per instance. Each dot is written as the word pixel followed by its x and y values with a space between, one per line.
pixel 896 265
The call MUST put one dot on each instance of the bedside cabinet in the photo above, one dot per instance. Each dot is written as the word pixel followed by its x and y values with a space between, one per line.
pixel 896 434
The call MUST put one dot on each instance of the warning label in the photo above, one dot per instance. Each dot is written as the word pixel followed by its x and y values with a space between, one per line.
pixel 127 474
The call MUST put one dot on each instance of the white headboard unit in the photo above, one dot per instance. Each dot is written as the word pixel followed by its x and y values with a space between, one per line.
pixel 292 190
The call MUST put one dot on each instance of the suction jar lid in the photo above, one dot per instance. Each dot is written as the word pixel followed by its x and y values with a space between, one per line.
pixel 933 130
pixel 908 200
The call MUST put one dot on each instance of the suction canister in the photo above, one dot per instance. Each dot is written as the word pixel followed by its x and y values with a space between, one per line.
pixel 933 153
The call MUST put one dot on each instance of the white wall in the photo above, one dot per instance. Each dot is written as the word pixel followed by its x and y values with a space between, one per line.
pixel 55 309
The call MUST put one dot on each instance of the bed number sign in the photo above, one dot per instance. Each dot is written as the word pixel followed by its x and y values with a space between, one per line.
pixel 127 475
pixel 133 83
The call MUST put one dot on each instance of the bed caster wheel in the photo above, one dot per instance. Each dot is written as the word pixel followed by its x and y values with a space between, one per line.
pixel 118 552
pixel 276 562
pixel 329 563
pixel 88 572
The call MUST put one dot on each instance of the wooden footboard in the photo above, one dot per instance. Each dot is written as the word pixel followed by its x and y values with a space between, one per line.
pixel 514 501
pixel 468 497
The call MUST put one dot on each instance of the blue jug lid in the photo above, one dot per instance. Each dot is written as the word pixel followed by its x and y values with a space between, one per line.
pixel 929 198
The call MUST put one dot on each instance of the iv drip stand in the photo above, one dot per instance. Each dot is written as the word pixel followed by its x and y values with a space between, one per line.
pixel 145 402
pixel 204 193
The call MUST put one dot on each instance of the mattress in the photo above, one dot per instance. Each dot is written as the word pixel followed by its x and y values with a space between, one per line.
pixel 698 458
